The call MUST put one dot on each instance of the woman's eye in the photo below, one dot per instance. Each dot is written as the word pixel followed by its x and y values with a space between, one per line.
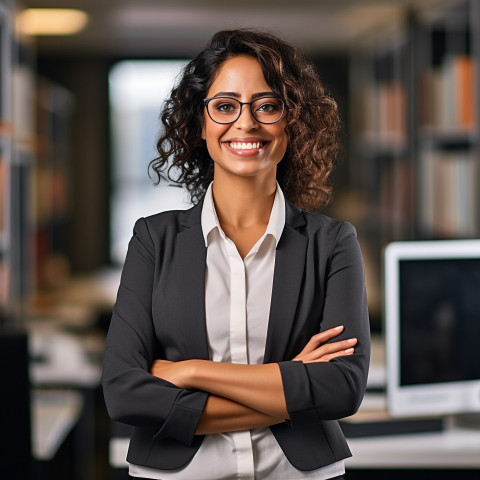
pixel 225 107
pixel 268 108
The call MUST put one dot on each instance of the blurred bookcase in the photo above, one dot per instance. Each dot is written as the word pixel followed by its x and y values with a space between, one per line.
pixel 415 135
pixel 447 118
pixel 15 162
pixel 35 123
pixel 9 257
pixel 381 161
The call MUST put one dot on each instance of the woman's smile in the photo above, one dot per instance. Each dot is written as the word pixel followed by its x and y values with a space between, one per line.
pixel 246 147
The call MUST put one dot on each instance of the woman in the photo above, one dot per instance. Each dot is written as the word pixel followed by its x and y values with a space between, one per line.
pixel 240 331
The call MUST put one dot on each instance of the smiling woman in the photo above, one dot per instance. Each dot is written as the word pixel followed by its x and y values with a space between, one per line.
pixel 288 77
pixel 240 332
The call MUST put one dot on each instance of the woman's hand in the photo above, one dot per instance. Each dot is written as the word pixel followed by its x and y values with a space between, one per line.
pixel 316 350
pixel 173 372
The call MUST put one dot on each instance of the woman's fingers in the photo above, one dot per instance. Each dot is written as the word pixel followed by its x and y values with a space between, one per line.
pixel 328 351
pixel 320 338
pixel 318 350
pixel 334 347
pixel 342 353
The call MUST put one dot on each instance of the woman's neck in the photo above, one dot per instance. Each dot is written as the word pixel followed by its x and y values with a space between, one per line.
pixel 243 202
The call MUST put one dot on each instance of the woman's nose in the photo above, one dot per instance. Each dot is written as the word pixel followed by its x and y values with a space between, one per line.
pixel 246 121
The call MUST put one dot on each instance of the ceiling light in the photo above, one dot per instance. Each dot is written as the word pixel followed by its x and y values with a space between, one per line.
pixel 51 21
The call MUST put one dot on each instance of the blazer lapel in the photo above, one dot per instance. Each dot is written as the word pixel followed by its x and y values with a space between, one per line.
pixel 287 282
pixel 192 255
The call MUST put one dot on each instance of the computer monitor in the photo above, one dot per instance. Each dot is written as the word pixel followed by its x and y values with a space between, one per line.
pixel 432 327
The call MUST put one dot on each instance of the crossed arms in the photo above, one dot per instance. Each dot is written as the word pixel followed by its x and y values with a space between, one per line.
pixel 245 396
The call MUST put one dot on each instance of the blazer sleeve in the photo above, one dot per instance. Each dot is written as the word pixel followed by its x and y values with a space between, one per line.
pixel 335 389
pixel 132 394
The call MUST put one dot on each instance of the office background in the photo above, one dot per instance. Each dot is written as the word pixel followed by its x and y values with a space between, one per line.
pixel 404 75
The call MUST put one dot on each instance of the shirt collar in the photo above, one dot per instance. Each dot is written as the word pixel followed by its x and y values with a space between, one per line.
pixel 275 225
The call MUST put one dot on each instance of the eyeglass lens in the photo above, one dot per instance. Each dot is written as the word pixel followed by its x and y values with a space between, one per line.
pixel 228 110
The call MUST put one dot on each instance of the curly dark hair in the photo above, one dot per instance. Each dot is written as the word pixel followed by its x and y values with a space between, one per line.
pixel 313 122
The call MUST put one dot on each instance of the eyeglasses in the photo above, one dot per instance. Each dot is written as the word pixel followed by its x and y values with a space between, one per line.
pixel 226 110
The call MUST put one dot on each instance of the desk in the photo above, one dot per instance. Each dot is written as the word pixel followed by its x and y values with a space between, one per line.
pixel 118 452
pixel 453 448
pixel 54 414
pixel 62 358
pixel 65 373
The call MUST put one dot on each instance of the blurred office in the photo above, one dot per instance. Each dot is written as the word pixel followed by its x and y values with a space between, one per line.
pixel 79 117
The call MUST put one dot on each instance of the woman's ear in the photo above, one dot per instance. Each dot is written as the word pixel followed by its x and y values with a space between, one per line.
pixel 203 130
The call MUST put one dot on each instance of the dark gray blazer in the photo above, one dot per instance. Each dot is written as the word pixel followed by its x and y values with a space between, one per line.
pixel 160 313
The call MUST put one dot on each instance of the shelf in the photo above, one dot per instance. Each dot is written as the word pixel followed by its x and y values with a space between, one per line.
pixel 382 144
pixel 448 138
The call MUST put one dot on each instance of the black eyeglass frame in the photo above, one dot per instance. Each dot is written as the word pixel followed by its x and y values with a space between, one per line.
pixel 206 101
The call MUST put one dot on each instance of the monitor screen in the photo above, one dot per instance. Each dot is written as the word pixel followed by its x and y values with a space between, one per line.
pixel 432 308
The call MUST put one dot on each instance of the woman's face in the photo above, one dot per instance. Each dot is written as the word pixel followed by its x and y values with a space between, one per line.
pixel 242 78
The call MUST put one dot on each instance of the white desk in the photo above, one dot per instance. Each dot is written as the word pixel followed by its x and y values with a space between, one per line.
pixel 65 360
pixel 54 414
pixel 456 448
pixel 118 452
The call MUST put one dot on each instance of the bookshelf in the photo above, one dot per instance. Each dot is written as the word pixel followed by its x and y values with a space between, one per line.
pixel 447 119
pixel 415 133
pixel 380 166
pixel 35 121
pixel 381 161
pixel 6 132
pixel 17 87
pixel 14 171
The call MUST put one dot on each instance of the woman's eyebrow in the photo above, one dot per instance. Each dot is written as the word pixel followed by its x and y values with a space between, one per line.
pixel 227 94
pixel 237 95
pixel 262 94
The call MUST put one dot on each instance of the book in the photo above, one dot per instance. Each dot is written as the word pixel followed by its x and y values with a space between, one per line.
pixel 448 193
pixel 447 95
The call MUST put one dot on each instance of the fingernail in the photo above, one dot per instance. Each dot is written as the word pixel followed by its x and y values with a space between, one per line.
pixel 348 351
pixel 352 340
pixel 339 328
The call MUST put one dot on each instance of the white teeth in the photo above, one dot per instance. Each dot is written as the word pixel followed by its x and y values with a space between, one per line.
pixel 245 146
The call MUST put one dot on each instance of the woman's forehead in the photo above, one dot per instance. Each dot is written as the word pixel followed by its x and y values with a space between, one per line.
pixel 239 75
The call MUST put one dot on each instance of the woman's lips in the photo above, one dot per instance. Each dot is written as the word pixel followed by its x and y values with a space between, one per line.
pixel 245 147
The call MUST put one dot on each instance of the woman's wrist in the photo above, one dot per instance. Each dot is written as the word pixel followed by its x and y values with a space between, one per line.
pixel 193 373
